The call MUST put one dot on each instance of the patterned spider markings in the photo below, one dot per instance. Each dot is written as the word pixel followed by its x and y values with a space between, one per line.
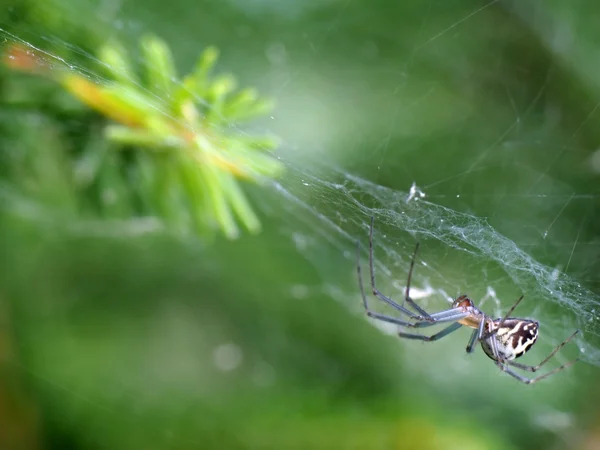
pixel 514 339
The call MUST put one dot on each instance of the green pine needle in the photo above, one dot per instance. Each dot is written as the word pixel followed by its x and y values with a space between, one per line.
pixel 188 159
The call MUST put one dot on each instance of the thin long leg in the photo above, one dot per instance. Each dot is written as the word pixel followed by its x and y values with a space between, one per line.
pixel 501 323
pixel 454 318
pixel 391 319
pixel 423 324
pixel 451 315
pixel 526 380
pixel 447 312
pixel 472 341
pixel 536 368
pixel 409 300
pixel 445 332
pixel 477 335
pixel 378 294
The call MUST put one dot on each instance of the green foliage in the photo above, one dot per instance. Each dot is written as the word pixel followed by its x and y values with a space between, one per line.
pixel 192 120
pixel 183 150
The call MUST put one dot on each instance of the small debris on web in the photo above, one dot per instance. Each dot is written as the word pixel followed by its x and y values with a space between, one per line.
pixel 415 193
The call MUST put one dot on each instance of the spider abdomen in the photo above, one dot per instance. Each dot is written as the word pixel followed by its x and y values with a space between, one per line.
pixel 513 339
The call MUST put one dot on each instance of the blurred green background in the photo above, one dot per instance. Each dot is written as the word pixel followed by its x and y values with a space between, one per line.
pixel 133 340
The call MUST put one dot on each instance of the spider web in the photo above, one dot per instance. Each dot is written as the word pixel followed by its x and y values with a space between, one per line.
pixel 492 262
pixel 532 239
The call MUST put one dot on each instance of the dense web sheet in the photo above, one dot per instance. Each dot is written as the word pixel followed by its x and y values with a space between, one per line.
pixel 410 212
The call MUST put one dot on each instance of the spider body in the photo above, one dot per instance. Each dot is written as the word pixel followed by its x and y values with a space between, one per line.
pixel 513 336
pixel 503 340
pixel 475 314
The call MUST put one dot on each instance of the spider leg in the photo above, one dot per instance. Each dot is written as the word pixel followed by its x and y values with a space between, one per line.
pixel 407 298
pixel 452 315
pixel 476 336
pixel 552 353
pixel 471 345
pixel 505 368
pixel 389 301
pixel 419 324
pixel 445 332
pixel 448 312
pixel 391 319
pixel 456 316
pixel 378 294
pixel 501 323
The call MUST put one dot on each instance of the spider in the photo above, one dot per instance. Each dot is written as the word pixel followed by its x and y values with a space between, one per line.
pixel 503 340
